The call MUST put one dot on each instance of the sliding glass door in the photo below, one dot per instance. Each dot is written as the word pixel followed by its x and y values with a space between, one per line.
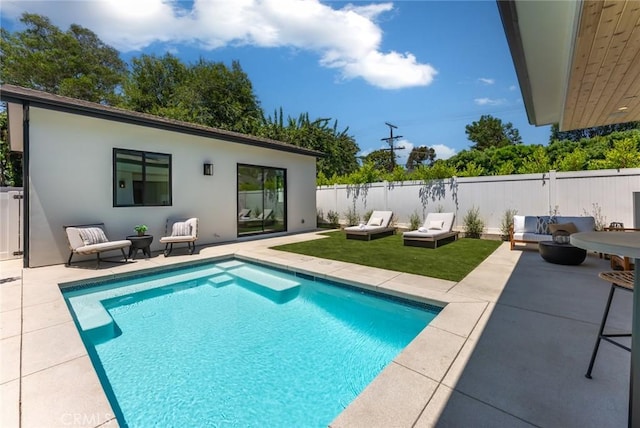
pixel 262 205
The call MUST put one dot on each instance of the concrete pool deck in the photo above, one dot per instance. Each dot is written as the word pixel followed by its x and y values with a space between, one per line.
pixel 510 348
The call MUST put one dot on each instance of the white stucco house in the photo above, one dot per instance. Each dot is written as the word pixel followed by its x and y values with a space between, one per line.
pixel 87 163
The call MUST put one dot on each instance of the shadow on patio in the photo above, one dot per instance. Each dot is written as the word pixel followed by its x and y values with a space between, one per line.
pixel 527 366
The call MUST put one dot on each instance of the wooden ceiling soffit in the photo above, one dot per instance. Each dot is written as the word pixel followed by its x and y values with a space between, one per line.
pixel 604 83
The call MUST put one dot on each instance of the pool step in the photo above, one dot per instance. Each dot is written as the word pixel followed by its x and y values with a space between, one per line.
pixel 274 288
pixel 220 280
pixel 95 320
pixel 230 264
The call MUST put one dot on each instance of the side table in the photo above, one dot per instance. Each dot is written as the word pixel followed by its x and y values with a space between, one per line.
pixel 140 243
pixel 561 254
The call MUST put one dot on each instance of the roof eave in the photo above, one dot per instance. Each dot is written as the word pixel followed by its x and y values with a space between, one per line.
pixel 17 94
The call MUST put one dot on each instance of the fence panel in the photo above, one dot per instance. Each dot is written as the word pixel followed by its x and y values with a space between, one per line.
pixel 610 192
pixel 10 223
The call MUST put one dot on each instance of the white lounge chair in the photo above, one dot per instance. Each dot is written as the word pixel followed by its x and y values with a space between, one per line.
pixel 180 230
pixel 265 217
pixel 91 239
pixel 244 213
pixel 379 225
pixel 436 228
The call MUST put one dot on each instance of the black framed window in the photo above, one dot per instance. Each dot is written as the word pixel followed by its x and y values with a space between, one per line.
pixel 262 200
pixel 141 178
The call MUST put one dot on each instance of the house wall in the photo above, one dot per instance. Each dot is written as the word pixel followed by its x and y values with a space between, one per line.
pixel 70 182
pixel 565 193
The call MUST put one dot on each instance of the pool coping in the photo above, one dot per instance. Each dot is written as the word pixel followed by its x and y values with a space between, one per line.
pixel 53 362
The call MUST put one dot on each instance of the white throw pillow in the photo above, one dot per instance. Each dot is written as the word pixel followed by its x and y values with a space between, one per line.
pixel 422 229
pixel 375 221
pixel 436 224
pixel 181 228
pixel 92 235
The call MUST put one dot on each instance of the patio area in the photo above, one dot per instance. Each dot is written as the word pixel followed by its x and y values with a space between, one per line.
pixel 510 348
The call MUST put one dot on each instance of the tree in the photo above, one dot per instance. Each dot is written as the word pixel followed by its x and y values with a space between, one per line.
pixel 338 146
pixel 537 162
pixel 10 162
pixel 572 161
pixel 491 132
pixel 206 93
pixel 623 154
pixel 579 134
pixel 153 84
pixel 422 155
pixel 75 63
pixel 381 159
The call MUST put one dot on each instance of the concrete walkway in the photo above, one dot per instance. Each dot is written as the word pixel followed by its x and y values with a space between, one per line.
pixel 510 348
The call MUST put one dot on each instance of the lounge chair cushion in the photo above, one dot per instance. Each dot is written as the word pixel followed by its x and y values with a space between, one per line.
pixel 434 225
pixel 369 227
pixel 92 235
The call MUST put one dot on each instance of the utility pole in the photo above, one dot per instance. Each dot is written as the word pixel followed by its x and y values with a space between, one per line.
pixel 391 141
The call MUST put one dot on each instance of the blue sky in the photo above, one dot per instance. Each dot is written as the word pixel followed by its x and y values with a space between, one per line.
pixel 428 67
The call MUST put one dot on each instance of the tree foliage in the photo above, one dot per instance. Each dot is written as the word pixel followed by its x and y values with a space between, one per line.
pixel 381 159
pixel 338 146
pixel 75 63
pixel 207 93
pixel 153 85
pixel 596 131
pixel 422 155
pixel 489 131
pixel 10 162
pixel 616 150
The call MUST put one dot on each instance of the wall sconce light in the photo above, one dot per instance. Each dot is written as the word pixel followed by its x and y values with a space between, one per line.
pixel 121 184
pixel 208 169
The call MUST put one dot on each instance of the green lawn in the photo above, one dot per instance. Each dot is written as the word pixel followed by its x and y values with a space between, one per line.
pixel 452 261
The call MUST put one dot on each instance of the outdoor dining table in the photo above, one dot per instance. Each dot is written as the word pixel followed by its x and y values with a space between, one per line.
pixel 624 244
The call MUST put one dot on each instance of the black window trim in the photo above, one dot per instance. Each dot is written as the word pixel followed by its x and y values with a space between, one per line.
pixel 144 154
pixel 286 199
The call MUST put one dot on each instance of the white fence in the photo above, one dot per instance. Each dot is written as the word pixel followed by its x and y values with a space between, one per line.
pixel 565 193
pixel 10 223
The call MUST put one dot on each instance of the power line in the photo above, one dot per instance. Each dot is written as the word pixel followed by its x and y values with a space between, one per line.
pixel 391 141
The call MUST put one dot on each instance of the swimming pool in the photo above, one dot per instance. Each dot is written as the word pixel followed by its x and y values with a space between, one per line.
pixel 232 343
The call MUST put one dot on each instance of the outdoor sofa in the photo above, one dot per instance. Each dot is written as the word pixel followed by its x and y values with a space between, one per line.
pixel 379 225
pixel 531 229
pixel 436 228
pixel 90 239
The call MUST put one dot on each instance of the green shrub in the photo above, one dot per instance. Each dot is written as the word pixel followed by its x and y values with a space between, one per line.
pixel 367 216
pixel 600 220
pixel 353 218
pixel 507 222
pixel 334 218
pixel 473 224
pixel 415 221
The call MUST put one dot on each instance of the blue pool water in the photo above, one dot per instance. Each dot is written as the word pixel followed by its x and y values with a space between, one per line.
pixel 237 344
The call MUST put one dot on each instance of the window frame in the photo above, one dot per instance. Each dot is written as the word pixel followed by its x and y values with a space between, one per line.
pixel 285 202
pixel 143 154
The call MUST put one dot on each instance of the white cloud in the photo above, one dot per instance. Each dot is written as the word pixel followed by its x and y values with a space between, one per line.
pixel 443 152
pixel 490 101
pixel 403 155
pixel 513 87
pixel 486 80
pixel 347 39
